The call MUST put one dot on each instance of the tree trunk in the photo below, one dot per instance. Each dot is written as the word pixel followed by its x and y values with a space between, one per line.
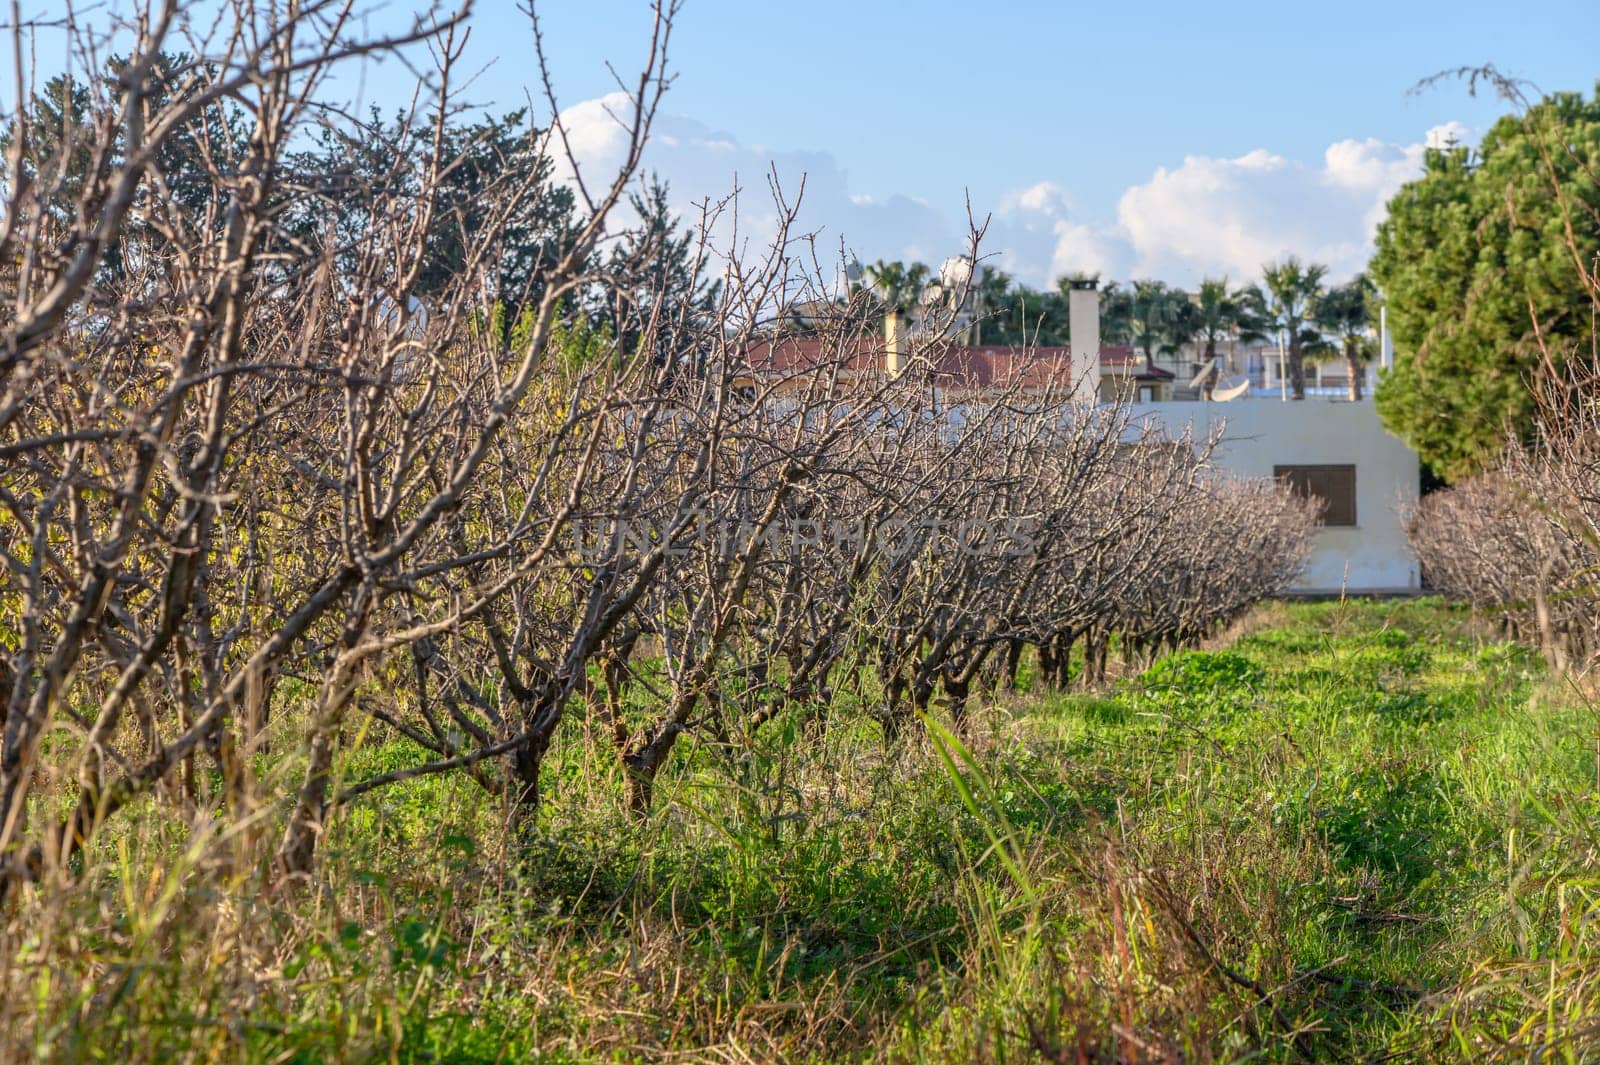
pixel 650 753
pixel 1096 646
pixel 957 683
pixel 297 852
pixel 640 787
pixel 1012 665
pixel 257 708
pixel 1297 370
pixel 1064 641
pixel 1352 358
pixel 526 762
pixel 816 713
pixel 1047 661
pixel 958 691
pixel 299 847
pixel 895 694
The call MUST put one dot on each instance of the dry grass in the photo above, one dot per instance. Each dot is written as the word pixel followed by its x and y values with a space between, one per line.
pixel 1361 832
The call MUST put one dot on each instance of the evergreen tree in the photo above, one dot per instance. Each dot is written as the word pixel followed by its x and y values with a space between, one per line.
pixel 345 178
pixel 653 286
pixel 1486 264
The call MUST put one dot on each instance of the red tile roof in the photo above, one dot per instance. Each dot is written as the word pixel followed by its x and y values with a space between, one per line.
pixel 1002 367
pixel 983 366
pixel 792 354
pixel 1118 355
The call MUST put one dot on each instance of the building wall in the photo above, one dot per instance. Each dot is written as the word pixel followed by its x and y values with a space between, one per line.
pixel 1257 434
pixel 1116 387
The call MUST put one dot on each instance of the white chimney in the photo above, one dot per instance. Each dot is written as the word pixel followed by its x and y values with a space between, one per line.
pixel 1083 325
pixel 894 331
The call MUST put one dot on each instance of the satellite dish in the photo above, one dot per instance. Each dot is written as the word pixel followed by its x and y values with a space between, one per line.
pixel 1230 392
pixel 1205 371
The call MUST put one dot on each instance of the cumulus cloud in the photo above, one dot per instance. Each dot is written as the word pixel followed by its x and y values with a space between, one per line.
pixel 1447 135
pixel 701 165
pixel 1232 215
pixel 1229 215
pixel 1035 235
pixel 1206 215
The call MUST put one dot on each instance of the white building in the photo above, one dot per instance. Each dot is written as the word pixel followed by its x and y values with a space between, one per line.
pixel 1333 449
pixel 1325 445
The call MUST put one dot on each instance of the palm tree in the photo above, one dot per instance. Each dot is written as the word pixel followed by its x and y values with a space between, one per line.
pixel 1292 288
pixel 1180 322
pixel 1161 319
pixel 1150 314
pixel 899 286
pixel 1116 311
pixel 1222 313
pixel 1009 313
pixel 1342 313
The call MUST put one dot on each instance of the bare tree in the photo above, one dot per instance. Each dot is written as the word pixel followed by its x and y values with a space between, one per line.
pixel 274 479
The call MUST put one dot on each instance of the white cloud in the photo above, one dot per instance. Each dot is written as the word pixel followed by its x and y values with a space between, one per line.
pixel 1229 216
pixel 700 164
pixel 1449 133
pixel 1206 215
pixel 1212 215
pixel 1367 165
pixel 1046 197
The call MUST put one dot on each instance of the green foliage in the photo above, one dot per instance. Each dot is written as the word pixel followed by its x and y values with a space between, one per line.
pixel 654 285
pixel 1482 276
pixel 897 285
pixel 1285 303
pixel 1017 315
pixel 1224 313
pixel 58 152
pixel 1161 319
pixel 1395 843
pixel 490 155
pixel 1345 315
pixel 1202 672
pixel 576 342
pixel 1116 314
pixel 1156 317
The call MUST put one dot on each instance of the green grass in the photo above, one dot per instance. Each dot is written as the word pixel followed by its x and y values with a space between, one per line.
pixel 1362 831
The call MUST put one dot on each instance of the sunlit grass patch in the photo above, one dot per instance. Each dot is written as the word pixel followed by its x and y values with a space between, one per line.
pixel 1368 831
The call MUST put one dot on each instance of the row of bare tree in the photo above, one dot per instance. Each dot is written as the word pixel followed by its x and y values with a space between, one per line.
pixel 259 501
pixel 1521 542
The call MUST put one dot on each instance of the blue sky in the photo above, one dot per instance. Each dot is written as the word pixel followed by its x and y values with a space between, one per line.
pixel 1136 139
pixel 1160 139
pixel 1093 96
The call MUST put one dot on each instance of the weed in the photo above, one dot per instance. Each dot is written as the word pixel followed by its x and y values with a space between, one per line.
pixel 1364 830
